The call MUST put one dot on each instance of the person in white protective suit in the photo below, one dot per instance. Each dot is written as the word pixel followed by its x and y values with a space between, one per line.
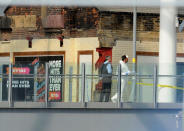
pixel 124 71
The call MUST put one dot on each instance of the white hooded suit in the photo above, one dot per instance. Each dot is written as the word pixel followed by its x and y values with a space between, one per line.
pixel 124 81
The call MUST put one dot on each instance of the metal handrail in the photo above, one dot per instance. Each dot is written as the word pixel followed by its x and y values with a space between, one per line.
pixel 83 76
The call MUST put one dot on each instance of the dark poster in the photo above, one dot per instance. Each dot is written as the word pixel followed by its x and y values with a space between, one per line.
pixel 22 86
pixel 55 81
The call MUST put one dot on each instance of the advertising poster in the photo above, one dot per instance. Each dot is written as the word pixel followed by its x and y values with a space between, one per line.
pixel 22 84
pixel 55 82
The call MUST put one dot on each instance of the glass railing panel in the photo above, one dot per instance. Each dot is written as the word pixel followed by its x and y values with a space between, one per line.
pixel 1 83
pixel 127 89
pixel 98 90
pixel 179 89
pixel 28 82
pixel 39 92
pixel 114 89
pixel 170 89
pixel 71 90
pixel 90 91
pixel 4 82
pixel 145 68
pixel 144 90
pixel 72 85
pixel 170 83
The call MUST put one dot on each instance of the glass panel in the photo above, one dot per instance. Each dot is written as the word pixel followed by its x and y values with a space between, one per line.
pixel 4 82
pixel 127 92
pixel 26 84
pixel 144 83
pixel 144 90
pixel 100 92
pixel 173 88
pixel 114 88
pixel 77 89
pixel 71 89
pixel 89 89
pixel 179 89
pixel 1 81
pixel 168 83
pixel 39 82
pixel 37 68
pixel 96 89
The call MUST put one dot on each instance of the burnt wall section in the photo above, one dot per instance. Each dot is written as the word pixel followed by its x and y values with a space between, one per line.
pixel 77 22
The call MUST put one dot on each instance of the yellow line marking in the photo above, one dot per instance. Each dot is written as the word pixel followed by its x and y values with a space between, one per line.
pixel 168 86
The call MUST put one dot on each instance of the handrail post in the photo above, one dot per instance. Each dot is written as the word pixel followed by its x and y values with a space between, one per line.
pixel 155 86
pixel 10 98
pixel 46 83
pixel 83 84
pixel 133 94
pixel 119 86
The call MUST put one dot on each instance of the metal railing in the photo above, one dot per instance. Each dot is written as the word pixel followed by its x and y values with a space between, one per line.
pixel 83 103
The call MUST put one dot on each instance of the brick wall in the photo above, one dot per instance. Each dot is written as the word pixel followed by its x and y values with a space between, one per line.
pixel 55 10
pixel 79 22
pixel 118 26
pixel 126 47
pixel 88 22
pixel 122 48
pixel 16 10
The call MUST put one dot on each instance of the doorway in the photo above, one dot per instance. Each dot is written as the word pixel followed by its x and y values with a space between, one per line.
pixel 86 57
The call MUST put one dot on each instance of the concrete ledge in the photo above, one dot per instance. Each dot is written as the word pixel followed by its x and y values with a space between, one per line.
pixel 92 105
pixel 104 105
pixel 170 105
pixel 4 104
pixel 65 105
pixel 28 105
pixel 137 106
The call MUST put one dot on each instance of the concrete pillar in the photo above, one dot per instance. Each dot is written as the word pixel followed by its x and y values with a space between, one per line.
pixel 167 52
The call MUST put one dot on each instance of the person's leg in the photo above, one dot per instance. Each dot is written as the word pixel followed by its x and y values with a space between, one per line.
pixel 110 84
pixel 105 92
pixel 108 92
pixel 102 93
pixel 123 84
pixel 107 95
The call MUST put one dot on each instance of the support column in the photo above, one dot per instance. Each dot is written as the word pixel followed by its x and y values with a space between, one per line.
pixel 167 52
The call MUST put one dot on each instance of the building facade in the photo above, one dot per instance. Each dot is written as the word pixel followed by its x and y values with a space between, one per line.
pixel 72 36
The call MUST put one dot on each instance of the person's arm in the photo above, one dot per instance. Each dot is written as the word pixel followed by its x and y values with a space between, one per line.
pixel 109 69
pixel 124 69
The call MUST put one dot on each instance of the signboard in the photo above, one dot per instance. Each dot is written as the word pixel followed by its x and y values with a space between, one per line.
pixel 55 80
pixel 22 85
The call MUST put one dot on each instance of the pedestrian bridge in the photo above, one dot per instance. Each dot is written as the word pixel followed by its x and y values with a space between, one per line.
pixel 90 116
pixel 35 102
